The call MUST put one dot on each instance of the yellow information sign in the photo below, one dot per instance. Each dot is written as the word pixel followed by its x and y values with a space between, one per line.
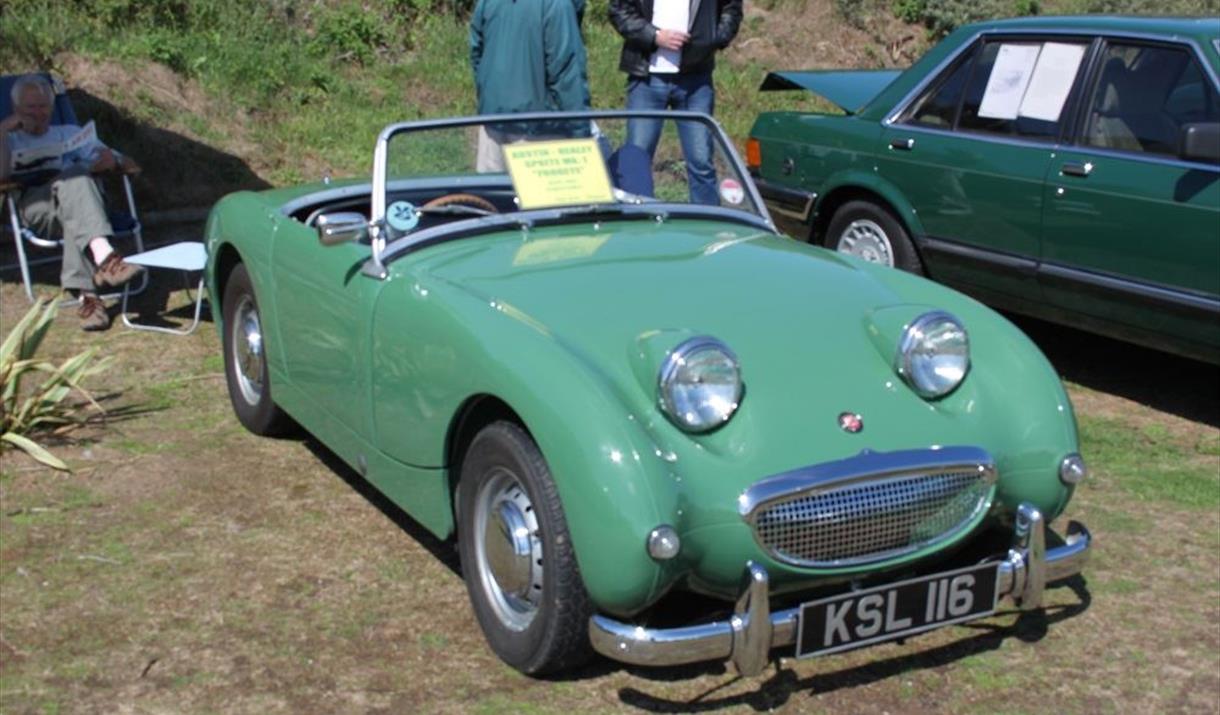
pixel 561 172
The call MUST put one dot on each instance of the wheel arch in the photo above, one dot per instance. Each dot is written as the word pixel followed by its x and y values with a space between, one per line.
pixel 871 189
pixel 475 413
pixel 227 258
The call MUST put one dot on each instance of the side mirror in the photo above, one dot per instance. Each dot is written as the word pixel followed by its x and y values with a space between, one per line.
pixel 341 227
pixel 1200 142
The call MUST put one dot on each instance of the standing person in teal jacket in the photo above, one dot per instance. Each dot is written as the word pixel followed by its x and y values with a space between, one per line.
pixel 527 56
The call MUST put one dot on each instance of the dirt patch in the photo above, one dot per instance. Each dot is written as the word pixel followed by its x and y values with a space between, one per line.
pixel 194 147
pixel 786 35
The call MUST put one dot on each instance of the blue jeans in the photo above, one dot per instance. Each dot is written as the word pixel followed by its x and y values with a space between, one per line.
pixel 693 92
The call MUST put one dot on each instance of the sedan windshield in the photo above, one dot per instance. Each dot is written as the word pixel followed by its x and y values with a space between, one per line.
pixel 585 164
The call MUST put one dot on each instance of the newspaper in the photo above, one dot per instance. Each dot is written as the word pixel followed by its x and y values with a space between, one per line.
pixel 51 155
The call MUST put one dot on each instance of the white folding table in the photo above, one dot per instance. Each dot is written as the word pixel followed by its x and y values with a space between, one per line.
pixel 186 256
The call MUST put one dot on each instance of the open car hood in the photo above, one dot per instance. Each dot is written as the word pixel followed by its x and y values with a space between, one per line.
pixel 850 90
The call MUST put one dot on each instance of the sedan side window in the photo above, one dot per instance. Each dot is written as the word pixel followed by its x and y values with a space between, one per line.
pixel 1019 88
pixel 938 105
pixel 1144 95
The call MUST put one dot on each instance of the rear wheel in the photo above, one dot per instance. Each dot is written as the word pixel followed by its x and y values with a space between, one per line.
pixel 517 556
pixel 246 359
pixel 869 231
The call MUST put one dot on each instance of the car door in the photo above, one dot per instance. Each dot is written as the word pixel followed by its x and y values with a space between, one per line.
pixel 971 154
pixel 323 303
pixel 1132 231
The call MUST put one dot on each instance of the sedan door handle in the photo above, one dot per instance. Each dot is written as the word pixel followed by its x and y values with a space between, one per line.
pixel 903 144
pixel 1075 168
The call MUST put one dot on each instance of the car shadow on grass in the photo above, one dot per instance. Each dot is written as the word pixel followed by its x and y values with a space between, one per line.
pixel 1168 383
pixel 784 682
pixel 443 551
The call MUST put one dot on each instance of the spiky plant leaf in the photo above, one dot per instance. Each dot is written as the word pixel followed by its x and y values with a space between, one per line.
pixel 35 450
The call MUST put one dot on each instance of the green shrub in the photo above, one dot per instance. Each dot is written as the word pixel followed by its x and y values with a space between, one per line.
pixel 349 33
pixel 29 411
pixel 943 16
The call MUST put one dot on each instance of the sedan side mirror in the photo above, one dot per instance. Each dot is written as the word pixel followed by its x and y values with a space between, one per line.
pixel 341 227
pixel 1200 142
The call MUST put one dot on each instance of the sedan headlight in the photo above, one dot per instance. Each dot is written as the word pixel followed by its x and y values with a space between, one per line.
pixel 700 384
pixel 933 354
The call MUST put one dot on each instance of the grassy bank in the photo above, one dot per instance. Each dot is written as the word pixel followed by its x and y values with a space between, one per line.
pixel 308 85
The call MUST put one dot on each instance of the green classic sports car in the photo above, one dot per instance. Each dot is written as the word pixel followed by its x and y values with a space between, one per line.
pixel 659 429
pixel 1065 168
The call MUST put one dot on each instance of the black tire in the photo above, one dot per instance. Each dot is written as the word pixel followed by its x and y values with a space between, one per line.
pixel 869 231
pixel 533 609
pixel 246 360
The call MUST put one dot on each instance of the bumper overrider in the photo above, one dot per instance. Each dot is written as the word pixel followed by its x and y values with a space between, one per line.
pixel 747 638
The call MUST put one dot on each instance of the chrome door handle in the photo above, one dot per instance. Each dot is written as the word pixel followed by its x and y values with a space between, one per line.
pixel 1075 168
pixel 903 144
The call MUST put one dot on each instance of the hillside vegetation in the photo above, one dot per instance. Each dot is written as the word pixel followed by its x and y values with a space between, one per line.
pixel 217 95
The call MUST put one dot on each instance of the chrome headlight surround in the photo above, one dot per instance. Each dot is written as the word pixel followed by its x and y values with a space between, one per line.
pixel 699 386
pixel 933 354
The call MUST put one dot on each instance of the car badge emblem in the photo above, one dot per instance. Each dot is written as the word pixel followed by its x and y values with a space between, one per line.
pixel 851 422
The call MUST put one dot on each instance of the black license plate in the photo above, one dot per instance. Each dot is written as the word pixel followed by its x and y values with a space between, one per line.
pixel 896 609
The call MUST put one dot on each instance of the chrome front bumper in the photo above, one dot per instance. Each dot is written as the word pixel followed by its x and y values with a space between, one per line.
pixel 747 638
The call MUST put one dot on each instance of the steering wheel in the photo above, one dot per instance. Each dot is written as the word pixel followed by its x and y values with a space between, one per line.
pixel 460 203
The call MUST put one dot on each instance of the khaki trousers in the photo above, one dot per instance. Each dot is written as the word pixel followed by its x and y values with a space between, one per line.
pixel 71 205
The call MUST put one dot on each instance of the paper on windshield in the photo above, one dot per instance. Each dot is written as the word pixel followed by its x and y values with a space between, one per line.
pixel 563 172
pixel 1051 81
pixel 1014 64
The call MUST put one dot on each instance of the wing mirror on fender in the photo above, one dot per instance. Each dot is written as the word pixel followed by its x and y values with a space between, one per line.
pixel 1200 142
pixel 341 227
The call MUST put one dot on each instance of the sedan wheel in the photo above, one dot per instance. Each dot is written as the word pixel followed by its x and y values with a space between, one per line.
pixel 871 232
pixel 864 238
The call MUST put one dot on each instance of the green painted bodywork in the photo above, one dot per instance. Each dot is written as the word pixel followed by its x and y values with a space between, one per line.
pixel 850 90
pixel 566 326
pixel 1139 238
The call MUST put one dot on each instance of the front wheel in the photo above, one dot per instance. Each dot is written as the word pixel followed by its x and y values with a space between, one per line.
pixel 517 557
pixel 866 230
pixel 246 359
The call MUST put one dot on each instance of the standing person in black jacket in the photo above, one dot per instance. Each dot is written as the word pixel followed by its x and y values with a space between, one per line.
pixel 669 52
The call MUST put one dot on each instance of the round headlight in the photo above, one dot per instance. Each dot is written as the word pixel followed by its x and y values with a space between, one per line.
pixel 934 354
pixel 700 384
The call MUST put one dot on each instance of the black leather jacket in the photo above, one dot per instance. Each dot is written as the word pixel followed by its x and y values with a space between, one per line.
pixel 713 26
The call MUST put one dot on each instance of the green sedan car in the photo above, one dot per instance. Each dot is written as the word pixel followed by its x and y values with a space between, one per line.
pixel 1065 168
pixel 647 445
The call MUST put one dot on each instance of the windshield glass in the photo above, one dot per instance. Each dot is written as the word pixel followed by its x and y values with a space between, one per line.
pixel 575 163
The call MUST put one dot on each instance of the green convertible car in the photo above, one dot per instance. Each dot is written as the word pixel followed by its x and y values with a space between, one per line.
pixel 660 430
pixel 1061 167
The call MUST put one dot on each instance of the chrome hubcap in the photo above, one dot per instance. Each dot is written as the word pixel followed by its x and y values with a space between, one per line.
pixel 248 350
pixel 508 550
pixel 867 240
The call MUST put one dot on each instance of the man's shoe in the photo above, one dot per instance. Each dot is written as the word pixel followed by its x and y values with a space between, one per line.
pixel 92 312
pixel 115 272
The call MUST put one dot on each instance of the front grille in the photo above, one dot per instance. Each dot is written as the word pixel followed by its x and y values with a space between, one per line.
pixel 869 520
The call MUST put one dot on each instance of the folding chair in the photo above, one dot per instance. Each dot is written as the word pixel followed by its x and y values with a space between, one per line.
pixel 125 223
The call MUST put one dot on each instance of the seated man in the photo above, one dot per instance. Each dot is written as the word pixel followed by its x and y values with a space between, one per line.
pixel 70 201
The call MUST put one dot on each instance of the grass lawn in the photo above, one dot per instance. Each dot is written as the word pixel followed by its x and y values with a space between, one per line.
pixel 187 566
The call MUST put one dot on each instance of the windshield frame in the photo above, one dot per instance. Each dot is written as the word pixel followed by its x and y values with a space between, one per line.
pixel 380 183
